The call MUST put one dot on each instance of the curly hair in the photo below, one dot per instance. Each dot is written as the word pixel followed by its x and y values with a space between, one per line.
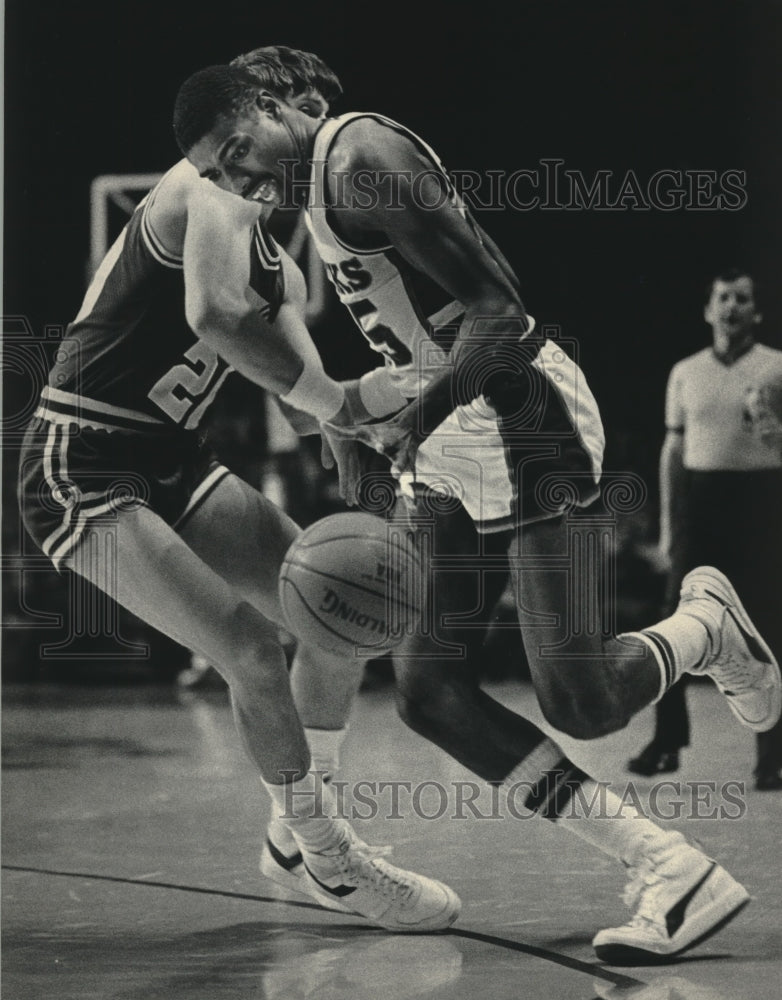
pixel 207 96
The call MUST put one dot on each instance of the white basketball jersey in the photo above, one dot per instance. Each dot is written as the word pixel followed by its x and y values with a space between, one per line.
pixel 404 314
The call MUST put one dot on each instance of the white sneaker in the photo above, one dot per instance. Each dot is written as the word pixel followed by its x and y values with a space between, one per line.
pixel 281 859
pixel 740 663
pixel 680 898
pixel 351 878
pixel 282 862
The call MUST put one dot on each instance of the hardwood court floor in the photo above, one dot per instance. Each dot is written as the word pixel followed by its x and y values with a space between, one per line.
pixel 132 824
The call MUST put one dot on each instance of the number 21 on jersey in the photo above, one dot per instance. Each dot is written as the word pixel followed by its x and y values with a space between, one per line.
pixel 187 390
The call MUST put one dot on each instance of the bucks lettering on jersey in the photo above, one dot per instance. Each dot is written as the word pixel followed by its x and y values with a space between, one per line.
pixel 404 314
pixel 130 345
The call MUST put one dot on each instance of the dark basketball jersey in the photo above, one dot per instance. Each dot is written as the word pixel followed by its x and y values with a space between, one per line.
pixel 130 346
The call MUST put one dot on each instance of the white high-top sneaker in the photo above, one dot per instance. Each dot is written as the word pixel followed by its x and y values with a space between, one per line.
pixel 740 663
pixel 350 877
pixel 281 859
pixel 679 896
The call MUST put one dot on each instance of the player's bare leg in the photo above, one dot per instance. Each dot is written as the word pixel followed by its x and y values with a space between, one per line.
pixel 323 684
pixel 590 683
pixel 158 577
pixel 587 684
pixel 441 699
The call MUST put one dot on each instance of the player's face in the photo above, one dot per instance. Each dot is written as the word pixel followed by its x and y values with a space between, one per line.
pixel 731 310
pixel 245 154
pixel 311 102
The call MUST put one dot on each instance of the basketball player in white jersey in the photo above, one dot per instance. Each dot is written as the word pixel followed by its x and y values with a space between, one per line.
pixel 115 486
pixel 462 363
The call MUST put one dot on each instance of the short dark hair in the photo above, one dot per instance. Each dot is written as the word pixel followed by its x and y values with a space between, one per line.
pixel 207 96
pixel 731 274
pixel 287 71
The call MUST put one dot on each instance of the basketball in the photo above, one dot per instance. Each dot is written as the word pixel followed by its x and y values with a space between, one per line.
pixel 352 584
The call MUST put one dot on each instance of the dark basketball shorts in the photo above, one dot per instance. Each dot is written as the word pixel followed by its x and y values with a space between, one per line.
pixel 84 462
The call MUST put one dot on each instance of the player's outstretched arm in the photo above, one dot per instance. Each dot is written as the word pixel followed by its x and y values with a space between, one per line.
pixel 278 355
pixel 499 257
pixel 431 231
pixel 218 302
pixel 434 234
pixel 223 310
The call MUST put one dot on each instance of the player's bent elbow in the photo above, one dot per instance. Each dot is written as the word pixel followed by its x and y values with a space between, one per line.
pixel 208 319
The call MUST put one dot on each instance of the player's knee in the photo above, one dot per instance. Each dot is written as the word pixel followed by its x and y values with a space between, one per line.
pixel 252 653
pixel 428 705
pixel 573 722
pixel 582 718
pixel 420 716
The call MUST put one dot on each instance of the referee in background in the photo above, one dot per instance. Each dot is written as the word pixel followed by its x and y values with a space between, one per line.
pixel 721 493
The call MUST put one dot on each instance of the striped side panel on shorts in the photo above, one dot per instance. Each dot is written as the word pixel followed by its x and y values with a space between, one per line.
pixel 78 508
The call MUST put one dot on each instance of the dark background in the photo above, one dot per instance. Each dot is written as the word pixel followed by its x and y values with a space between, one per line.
pixel 617 86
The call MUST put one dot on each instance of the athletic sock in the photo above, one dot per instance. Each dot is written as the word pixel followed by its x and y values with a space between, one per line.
pixel 608 822
pixel 550 785
pixel 678 644
pixel 308 807
pixel 526 775
pixel 325 746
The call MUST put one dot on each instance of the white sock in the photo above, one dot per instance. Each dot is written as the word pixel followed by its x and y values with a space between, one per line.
pixel 616 827
pixel 678 644
pixel 546 756
pixel 308 807
pixel 547 783
pixel 325 745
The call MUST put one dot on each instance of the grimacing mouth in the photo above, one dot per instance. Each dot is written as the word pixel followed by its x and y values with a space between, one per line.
pixel 266 190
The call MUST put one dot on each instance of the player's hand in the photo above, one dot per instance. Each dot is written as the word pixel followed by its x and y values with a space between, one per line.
pixel 345 454
pixel 394 438
pixel 301 422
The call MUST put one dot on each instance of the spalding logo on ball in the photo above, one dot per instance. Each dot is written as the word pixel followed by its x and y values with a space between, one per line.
pixel 352 584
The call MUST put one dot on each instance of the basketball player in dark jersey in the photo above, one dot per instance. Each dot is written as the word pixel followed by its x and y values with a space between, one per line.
pixel 488 417
pixel 114 486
